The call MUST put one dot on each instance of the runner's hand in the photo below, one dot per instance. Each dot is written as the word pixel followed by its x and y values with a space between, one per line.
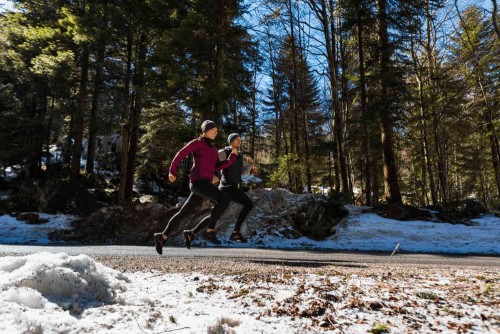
pixel 215 179
pixel 171 177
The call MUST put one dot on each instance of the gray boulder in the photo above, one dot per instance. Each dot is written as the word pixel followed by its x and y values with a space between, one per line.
pixel 294 215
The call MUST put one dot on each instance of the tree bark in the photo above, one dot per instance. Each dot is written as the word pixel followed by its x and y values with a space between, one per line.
pixel 253 118
pixel 368 169
pixel 295 133
pixel 492 134
pixel 48 134
pixel 344 114
pixel 125 121
pixel 279 128
pixel 135 117
pixel 79 115
pixel 391 181
pixel 324 13
pixel 98 87
pixel 220 14
pixel 426 156
pixel 494 18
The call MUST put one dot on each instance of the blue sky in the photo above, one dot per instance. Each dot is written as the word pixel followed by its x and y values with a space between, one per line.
pixel 6 5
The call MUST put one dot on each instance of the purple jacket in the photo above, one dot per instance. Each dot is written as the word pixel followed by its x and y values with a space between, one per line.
pixel 205 157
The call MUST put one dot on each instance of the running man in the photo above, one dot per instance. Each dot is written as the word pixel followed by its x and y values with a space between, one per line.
pixel 231 183
pixel 206 158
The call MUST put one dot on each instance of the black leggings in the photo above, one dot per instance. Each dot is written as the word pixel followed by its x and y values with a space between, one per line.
pixel 238 196
pixel 200 191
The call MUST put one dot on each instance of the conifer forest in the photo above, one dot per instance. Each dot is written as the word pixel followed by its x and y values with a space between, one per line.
pixel 378 101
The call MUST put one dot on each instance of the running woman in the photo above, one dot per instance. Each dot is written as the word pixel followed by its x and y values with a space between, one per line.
pixel 206 157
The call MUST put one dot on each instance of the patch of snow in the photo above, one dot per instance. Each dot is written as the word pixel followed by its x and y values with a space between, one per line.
pixel 360 231
pixel 4 195
pixel 57 293
pixel 109 173
pixel 10 173
pixel 50 291
pixel 250 179
pixel 13 231
pixel 370 232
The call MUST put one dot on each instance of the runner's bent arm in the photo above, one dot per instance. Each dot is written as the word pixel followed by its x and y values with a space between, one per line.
pixel 184 152
pixel 226 163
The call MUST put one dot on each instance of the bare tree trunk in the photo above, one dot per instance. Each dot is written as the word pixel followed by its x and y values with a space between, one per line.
pixel 391 181
pixel 295 134
pixel 368 169
pixel 324 13
pixel 495 159
pixel 68 149
pixel 493 137
pixel 253 117
pixel 494 18
pixel 48 133
pixel 135 117
pixel 125 121
pixel 423 183
pixel 426 157
pixel 220 10
pixel 307 152
pixel 303 108
pixel 98 87
pixel 79 124
pixel 277 107
pixel 344 156
pixel 36 132
pixel 338 117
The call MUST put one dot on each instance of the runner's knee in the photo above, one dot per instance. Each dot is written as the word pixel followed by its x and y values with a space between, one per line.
pixel 222 200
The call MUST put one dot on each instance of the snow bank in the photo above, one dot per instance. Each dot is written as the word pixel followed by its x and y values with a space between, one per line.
pixel 13 231
pixel 49 291
pixel 368 232
pixel 57 293
pixel 363 232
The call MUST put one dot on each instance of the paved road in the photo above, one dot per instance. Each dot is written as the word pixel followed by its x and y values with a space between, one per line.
pixel 266 255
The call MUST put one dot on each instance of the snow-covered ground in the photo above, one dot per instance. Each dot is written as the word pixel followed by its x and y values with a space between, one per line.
pixel 13 231
pixel 57 293
pixel 370 232
pixel 364 232
pixel 10 172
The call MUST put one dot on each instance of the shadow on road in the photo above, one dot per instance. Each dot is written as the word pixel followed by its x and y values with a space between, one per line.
pixel 307 264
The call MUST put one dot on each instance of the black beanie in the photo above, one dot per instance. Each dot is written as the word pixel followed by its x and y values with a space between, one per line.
pixel 232 137
pixel 207 126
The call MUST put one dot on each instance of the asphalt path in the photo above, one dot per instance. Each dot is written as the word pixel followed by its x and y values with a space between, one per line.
pixel 290 257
